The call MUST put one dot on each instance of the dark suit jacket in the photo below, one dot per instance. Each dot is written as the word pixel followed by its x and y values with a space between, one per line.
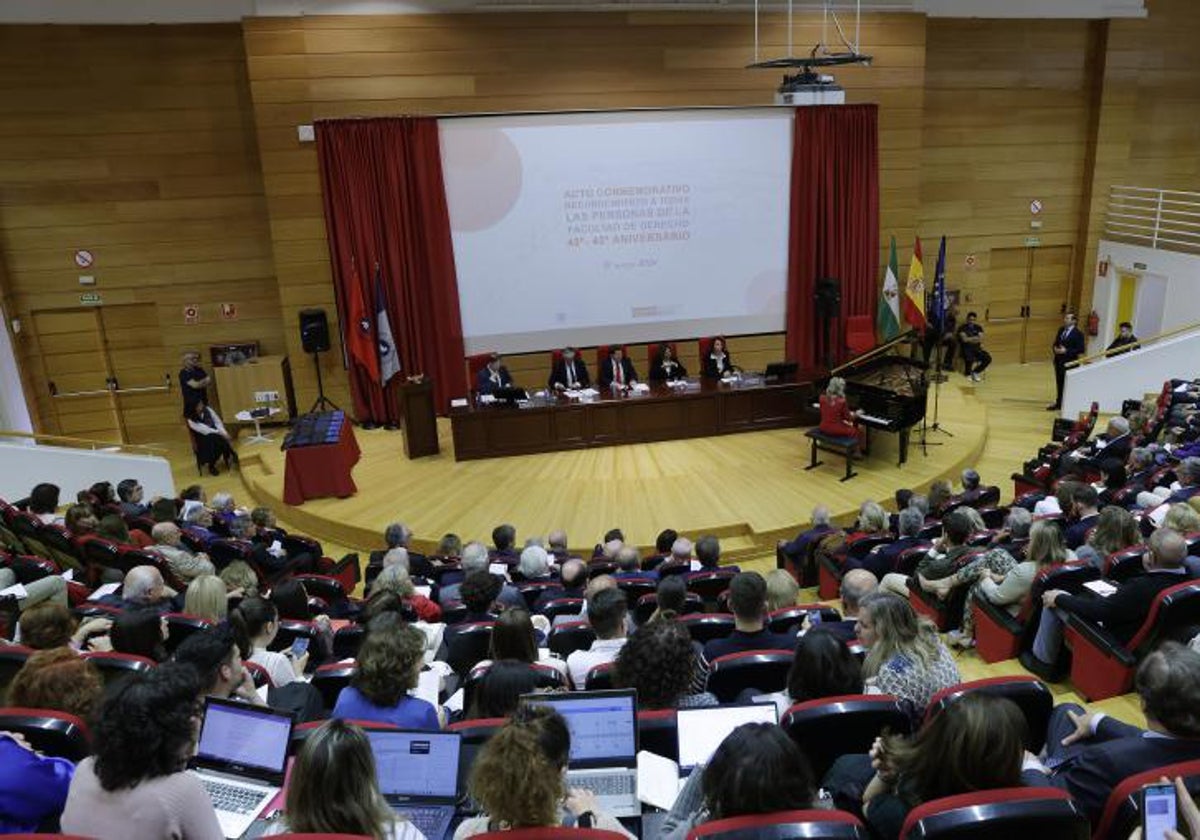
pixel 1123 612
pixel 1077 532
pixel 1073 342
pixel 884 561
pixel 739 642
pixel 797 547
pixel 710 366
pixel 659 374
pixel 1117 752
pixel 558 373
pixel 608 371
pixel 484 383
pixel 554 594
pixel 843 630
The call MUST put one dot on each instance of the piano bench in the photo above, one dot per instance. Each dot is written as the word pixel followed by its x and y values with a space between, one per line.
pixel 845 446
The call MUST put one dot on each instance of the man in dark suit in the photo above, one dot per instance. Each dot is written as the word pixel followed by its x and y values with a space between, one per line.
pixel 1089 754
pixel 797 549
pixel 573 577
pixel 504 540
pixel 617 370
pixel 1121 613
pixel 1086 514
pixel 569 372
pixel 882 560
pixel 1068 346
pixel 748 600
pixel 856 585
pixel 493 375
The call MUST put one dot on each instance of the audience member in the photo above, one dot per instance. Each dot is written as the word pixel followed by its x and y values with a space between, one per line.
pixel 748 601
pixel 1013 537
pixel 708 552
pixel 257 621
pixel 606 611
pixel 212 441
pixel 856 585
pixel 797 549
pixel 823 666
pixel 658 662
pixel 130 494
pixel 388 667
pixel 479 593
pixel 475 559
pixel 57 679
pixel 1115 529
pixel 334 789
pixel 450 546
pixel 629 565
pixel 215 655
pixel 1084 515
pixel 499 691
pixel 941 560
pixel 514 638
pixel 43 503
pixel 782 590
pixel 51 625
pixel 905 658
pixel 112 528
pixel 572 577
pixel 939 494
pixel 140 632
pixel 879 562
pixel 206 597
pixel 240 579
pixel 518 779
pixel 50 589
pixel 143 586
pixel 534 564
pixel 504 540
pixel 184 564
pixel 136 783
pixel 396 579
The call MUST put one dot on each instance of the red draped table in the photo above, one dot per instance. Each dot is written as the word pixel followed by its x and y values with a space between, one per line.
pixel 311 472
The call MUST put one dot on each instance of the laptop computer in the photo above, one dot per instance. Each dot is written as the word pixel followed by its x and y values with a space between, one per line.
pixel 418 776
pixel 241 759
pixel 701 731
pixel 603 726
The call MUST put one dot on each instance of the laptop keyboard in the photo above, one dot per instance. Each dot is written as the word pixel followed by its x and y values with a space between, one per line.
pixel 232 798
pixel 618 784
pixel 427 820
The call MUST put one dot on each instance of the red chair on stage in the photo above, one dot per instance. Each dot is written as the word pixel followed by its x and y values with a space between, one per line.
pixel 476 363
pixel 860 334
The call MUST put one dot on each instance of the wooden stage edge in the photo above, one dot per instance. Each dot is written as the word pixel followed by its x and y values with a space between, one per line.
pixel 748 489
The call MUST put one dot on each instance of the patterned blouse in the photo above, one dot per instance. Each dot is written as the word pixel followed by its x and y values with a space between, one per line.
pixel 913 683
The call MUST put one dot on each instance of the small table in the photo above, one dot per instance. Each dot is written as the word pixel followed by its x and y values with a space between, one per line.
pixel 258 436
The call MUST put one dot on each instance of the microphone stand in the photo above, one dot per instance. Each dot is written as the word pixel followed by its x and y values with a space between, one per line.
pixel 938 379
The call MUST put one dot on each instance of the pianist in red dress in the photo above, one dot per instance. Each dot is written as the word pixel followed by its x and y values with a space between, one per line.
pixel 837 420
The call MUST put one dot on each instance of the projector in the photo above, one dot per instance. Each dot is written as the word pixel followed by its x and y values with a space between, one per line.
pixel 809 88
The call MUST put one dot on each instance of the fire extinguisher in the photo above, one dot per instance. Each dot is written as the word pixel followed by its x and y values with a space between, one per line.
pixel 1093 323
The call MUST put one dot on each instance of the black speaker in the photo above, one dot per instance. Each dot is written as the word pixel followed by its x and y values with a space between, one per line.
pixel 829 296
pixel 314 330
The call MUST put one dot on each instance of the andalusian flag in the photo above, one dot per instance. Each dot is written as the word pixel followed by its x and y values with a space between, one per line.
pixel 914 290
pixel 887 317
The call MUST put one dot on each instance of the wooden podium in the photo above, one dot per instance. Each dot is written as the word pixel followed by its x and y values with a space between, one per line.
pixel 419 418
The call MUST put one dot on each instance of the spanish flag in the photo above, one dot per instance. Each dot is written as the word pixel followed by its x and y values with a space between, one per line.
pixel 913 302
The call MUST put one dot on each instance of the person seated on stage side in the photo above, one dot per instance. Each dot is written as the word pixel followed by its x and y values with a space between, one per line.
pixel 782 590
pixel 210 437
pixel 1124 342
pixel 1120 614
pixel 504 540
pixel 970 339
pixel 184 564
pixel 492 376
pixel 824 666
pixel 758 769
pixel 193 381
pixel 1116 529
pixel 658 662
pixel 569 372
pixel 572 578
pixel 718 362
pixel 534 565
pixel 606 611
pixel 949 337
pixel 665 367
pixel 797 549
pixel 130 494
pixel 748 602
pixel 882 560
pixel 629 565
pixel 837 420
pixel 617 371
pixel 1092 753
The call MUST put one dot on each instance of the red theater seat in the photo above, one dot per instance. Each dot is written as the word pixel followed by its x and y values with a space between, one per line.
pixel 764 670
pixel 784 825
pixel 831 727
pixel 48 731
pixel 1029 694
pixel 571 636
pixel 998 815
pixel 704 627
pixel 999 635
pixel 1123 810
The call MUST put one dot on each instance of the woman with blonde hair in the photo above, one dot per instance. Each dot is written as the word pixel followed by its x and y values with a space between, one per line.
pixel 239 578
pixel 1115 529
pixel 333 789
pixel 206 597
pixel 905 657
pixel 518 779
pixel 782 590
pixel 837 420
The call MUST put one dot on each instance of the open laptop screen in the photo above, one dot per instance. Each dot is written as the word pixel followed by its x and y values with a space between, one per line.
pixel 238 737
pixel 416 764
pixel 603 725
pixel 701 731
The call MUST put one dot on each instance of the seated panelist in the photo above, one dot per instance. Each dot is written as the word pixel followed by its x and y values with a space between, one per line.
pixel 617 370
pixel 492 376
pixel 665 367
pixel 569 371
pixel 717 363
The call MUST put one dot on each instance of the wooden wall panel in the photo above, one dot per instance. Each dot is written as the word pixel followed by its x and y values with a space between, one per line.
pixel 138 144
pixel 302 69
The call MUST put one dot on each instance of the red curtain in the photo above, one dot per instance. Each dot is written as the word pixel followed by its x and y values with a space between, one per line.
pixel 834 220
pixel 385 203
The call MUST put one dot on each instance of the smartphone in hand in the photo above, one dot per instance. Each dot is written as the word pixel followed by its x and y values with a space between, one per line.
pixel 814 617
pixel 1159 809
pixel 299 647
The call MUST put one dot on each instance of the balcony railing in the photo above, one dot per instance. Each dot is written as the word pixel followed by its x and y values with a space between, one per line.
pixel 1163 219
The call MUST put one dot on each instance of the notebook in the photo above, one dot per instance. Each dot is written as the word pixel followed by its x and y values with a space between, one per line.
pixel 241 759
pixel 603 726
pixel 418 776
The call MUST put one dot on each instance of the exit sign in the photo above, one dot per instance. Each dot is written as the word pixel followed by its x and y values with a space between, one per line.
pixel 1032 241
pixel 90 299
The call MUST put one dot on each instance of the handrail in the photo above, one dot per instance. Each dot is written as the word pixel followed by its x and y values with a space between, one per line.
pixel 1154 218
pixel 146 448
pixel 1141 343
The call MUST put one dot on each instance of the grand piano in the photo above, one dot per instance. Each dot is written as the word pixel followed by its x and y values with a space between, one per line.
pixel 887 388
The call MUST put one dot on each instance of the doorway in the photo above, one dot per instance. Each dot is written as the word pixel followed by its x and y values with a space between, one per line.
pixel 1027 296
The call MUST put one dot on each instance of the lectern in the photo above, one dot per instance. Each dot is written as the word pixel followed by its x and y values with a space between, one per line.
pixel 420 420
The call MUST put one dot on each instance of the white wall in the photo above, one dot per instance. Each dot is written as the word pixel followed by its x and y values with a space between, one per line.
pixel 1131 375
pixel 1182 273
pixel 72 470
pixel 14 413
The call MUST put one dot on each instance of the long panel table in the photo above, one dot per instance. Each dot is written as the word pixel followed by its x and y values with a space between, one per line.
pixel 498 430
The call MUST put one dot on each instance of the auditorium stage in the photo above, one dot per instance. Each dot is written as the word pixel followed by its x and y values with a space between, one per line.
pixel 748 489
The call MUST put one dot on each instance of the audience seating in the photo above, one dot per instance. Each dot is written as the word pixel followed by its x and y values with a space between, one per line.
pixel 1123 810
pixel 704 627
pixel 763 670
pixel 998 815
pixel 290 630
pixel 347 640
pixel 789 619
pixel 551 833
pixel 454 613
pixel 599 677
pixel 115 666
pixel 180 626
pixel 784 825
pixel 1030 694
pixel 532 591
pixel 467 645
pixel 259 674
pixel 222 552
pixel 831 727
pixel 49 732
pixel 709 584
pixel 1127 563
pixel 548 678
pixel 1103 668
pixel 569 637
pixel 329 589
pixel 301 731
pixel 330 679
pixel 132 557
pixel 999 635
pixel 595 568
pixel 658 732
pixel 475 733
pixel 647 604
pixel 636 588
pixel 562 606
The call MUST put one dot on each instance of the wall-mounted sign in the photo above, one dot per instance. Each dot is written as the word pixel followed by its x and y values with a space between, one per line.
pixel 1035 206
pixel 1032 241
pixel 970 261
pixel 84 258
pixel 229 311
pixel 90 299
pixel 191 313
